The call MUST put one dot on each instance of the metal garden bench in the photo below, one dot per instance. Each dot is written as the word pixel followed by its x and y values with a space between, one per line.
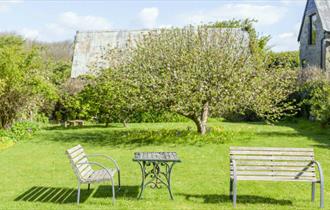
pixel 86 174
pixel 274 164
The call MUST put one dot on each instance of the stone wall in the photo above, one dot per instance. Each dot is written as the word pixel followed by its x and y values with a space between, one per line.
pixel 311 54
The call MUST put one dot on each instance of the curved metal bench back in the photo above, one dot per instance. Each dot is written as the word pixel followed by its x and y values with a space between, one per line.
pixel 77 156
pixel 273 164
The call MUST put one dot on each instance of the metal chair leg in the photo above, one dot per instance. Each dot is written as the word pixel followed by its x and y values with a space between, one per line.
pixel 322 194
pixel 113 191
pixel 234 193
pixel 119 180
pixel 89 186
pixel 231 190
pixel 313 191
pixel 78 195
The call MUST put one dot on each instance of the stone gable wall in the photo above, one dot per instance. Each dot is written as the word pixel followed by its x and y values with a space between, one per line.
pixel 311 54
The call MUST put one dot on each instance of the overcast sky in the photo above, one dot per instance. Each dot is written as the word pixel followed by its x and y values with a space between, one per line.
pixel 52 20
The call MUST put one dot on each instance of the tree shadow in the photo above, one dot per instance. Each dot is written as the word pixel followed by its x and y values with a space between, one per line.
pixel 311 130
pixel 92 126
pixel 131 138
pixel 244 199
pixel 53 195
pixel 69 195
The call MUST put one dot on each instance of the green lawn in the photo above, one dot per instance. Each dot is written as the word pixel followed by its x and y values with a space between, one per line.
pixel 36 174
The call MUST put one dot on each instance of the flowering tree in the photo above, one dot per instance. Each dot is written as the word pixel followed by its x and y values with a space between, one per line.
pixel 195 71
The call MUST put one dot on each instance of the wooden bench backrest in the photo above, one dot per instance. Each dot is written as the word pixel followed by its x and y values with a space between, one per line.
pixel 76 156
pixel 273 164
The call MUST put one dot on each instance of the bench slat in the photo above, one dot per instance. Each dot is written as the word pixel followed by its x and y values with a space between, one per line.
pixel 69 151
pixel 275 174
pixel 273 168
pixel 81 168
pixel 76 153
pixel 271 149
pixel 303 158
pixel 272 163
pixel 86 173
pixel 78 158
pixel 269 178
pixel 285 153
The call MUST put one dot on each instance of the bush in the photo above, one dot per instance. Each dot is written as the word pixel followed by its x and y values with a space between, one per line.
pixel 315 95
pixel 320 103
pixel 283 60
pixel 24 129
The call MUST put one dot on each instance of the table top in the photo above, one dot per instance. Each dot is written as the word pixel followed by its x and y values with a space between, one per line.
pixel 156 156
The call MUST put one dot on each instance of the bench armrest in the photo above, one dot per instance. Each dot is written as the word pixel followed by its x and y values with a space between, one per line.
pixel 319 169
pixel 107 157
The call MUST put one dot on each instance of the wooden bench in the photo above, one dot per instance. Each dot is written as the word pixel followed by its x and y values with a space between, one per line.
pixel 274 164
pixel 74 123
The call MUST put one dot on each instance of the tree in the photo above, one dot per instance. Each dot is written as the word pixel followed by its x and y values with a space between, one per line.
pixel 197 70
pixel 112 98
pixel 23 81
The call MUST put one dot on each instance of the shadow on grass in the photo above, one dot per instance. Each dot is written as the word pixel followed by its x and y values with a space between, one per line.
pixel 61 128
pixel 69 195
pixel 133 137
pixel 244 199
pixel 311 130
pixel 129 192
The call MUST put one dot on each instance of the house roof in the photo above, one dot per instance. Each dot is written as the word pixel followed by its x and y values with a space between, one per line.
pixel 91 46
pixel 323 8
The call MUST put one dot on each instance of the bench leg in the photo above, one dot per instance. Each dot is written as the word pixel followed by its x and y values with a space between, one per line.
pixel 113 191
pixel 78 194
pixel 89 186
pixel 313 191
pixel 322 194
pixel 231 190
pixel 119 180
pixel 234 193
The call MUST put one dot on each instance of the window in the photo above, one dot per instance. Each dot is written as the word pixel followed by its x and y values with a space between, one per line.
pixel 312 29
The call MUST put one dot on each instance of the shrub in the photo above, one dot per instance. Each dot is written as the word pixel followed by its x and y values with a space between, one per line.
pixel 315 95
pixel 283 60
pixel 24 129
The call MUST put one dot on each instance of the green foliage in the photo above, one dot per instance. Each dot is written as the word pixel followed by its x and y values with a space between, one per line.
pixel 24 84
pixel 319 102
pixel 19 131
pixel 194 71
pixel 314 95
pixel 283 60
pixel 23 130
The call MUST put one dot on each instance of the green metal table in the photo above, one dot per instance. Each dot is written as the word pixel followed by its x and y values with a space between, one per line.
pixel 156 168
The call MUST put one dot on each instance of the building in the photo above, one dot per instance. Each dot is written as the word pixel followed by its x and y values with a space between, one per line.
pixel 91 46
pixel 314 35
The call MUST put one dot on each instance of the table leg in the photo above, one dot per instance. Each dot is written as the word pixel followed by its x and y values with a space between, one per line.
pixel 155 178
pixel 142 165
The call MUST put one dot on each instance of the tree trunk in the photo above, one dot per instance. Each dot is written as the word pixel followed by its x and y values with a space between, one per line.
pixel 201 120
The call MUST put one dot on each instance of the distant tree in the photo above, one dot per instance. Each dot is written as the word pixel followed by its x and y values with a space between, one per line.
pixel 22 80
pixel 197 70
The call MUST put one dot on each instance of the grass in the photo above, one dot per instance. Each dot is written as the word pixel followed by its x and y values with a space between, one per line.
pixel 36 173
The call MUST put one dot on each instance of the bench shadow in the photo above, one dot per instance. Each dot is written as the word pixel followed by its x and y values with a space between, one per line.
pixel 244 199
pixel 53 195
pixel 69 195
pixel 129 192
